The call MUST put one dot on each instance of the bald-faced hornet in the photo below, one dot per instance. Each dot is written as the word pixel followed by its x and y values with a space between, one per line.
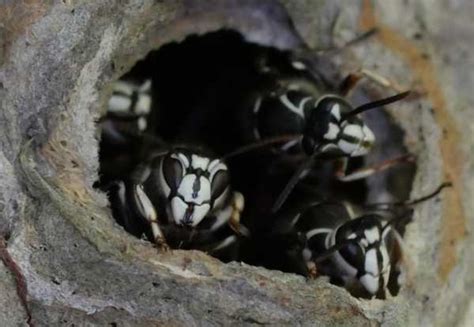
pixel 183 194
pixel 362 251
pixel 298 104
pixel 178 196
pixel 127 111
pixel 130 102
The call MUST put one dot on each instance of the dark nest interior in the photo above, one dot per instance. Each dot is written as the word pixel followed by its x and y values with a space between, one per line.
pixel 200 91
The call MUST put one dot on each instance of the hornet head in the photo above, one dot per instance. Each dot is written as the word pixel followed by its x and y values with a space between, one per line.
pixel 328 130
pixel 364 254
pixel 194 186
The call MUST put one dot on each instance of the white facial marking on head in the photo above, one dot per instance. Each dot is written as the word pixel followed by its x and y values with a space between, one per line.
pixel 298 65
pixel 200 211
pixel 214 167
pixel 205 191
pixel 199 162
pixel 372 235
pixel 371 264
pixel 360 151
pixel 353 130
pixel 353 149
pixel 178 209
pixel 370 283
pixel 333 132
pixel 346 147
pixel 185 189
pixel 181 158
pixel 369 136
pixel 359 133
pixel 336 111
pixel 351 236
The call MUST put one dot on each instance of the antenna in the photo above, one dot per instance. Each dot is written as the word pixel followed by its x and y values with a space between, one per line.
pixel 375 104
pixel 293 181
pixel 261 144
pixel 414 201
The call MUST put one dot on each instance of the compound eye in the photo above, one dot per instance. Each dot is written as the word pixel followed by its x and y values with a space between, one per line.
pixel 324 119
pixel 354 255
pixel 172 172
pixel 220 182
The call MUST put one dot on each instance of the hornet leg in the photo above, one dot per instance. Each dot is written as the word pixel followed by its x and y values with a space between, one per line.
pixel 343 176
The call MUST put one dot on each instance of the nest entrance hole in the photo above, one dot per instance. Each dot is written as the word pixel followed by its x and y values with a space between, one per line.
pixel 196 85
